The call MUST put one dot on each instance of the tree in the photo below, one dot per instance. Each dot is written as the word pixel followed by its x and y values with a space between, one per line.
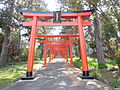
pixel 98 43
pixel 6 24
pixel 89 4
pixel 10 20
pixel 97 32
pixel 108 22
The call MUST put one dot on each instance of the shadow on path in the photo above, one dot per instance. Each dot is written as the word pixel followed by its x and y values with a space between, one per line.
pixel 59 76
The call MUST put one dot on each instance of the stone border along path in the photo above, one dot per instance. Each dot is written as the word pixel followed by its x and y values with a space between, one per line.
pixel 59 76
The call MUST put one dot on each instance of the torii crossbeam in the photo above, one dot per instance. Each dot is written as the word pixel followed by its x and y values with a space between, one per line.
pixel 78 17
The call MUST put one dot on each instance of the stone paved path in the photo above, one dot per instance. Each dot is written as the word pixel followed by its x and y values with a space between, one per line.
pixel 59 76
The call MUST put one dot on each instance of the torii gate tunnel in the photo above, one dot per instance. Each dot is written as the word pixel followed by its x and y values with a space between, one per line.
pixel 57 16
pixel 55 49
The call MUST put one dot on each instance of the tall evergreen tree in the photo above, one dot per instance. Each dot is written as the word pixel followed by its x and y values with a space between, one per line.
pixel 10 19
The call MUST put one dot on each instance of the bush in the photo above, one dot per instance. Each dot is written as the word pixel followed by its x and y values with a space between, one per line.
pixel 24 55
pixel 37 54
pixel 91 44
pixel 115 83
pixel 78 63
pixel 102 66
pixel 95 73
pixel 118 57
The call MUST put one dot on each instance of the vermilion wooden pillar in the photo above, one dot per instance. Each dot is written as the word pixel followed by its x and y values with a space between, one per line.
pixel 45 52
pixel 67 54
pixel 71 55
pixel 83 48
pixel 31 49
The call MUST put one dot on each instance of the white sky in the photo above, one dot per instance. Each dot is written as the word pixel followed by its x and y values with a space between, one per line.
pixel 52 5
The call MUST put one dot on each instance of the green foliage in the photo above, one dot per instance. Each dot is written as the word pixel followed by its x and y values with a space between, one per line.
pixel 92 63
pixel 118 57
pixel 108 14
pixel 15 35
pixel 9 77
pixel 118 73
pixel 102 66
pixel 24 55
pixel 115 83
pixel 91 44
pixel 15 71
pixel 11 73
pixel 71 5
pixel 95 73
pixel 15 44
pixel 77 62
pixel 111 63
pixel 37 54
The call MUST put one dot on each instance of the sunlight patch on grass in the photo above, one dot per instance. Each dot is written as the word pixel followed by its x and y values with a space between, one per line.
pixel 15 71
pixel 104 73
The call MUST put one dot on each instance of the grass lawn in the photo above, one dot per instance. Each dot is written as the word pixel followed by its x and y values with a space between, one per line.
pixel 15 71
pixel 109 73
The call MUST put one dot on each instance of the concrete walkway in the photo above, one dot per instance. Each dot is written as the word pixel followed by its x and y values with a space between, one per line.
pixel 59 76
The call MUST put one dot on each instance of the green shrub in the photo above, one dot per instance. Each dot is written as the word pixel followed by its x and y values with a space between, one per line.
pixel 118 73
pixel 78 63
pixel 91 44
pixel 102 66
pixel 95 73
pixel 24 55
pixel 37 54
pixel 115 83
pixel 92 62
pixel 118 57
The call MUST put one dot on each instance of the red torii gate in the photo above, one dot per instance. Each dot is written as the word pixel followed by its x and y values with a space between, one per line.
pixel 60 46
pixel 57 48
pixel 77 15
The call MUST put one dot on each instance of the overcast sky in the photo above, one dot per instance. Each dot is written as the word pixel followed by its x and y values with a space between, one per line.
pixel 52 5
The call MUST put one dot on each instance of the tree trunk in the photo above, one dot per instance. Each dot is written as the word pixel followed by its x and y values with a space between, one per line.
pixel 76 51
pixel 5 47
pixel 4 54
pixel 42 50
pixel 98 42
